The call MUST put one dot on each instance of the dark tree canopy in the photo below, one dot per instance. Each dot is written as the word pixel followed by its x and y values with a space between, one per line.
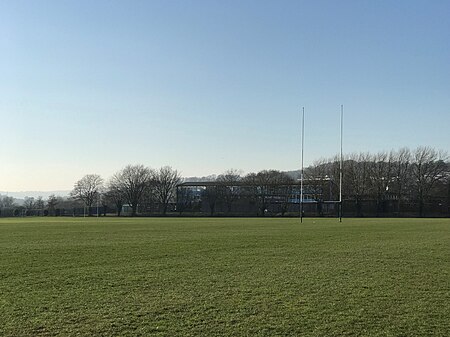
pixel 165 181
pixel 132 182
pixel 88 189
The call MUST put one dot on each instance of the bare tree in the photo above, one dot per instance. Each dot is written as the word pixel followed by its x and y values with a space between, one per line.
pixel 283 189
pixel 419 175
pixel 115 196
pixel 402 174
pixel 132 182
pixel 211 195
pixel 428 169
pixel 380 177
pixel 28 203
pixel 6 202
pixel 166 180
pixel 318 178
pixel 447 181
pixel 88 190
pixel 52 202
pixel 264 186
pixel 39 203
pixel 185 199
pixel 228 191
pixel 317 171
pixel 357 175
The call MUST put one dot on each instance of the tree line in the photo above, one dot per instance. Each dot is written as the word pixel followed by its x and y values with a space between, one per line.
pixel 134 186
pixel 410 177
pixel 390 181
pixel 31 206
pixel 397 182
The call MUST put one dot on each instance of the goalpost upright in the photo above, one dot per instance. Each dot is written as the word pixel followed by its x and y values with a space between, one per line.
pixel 340 165
pixel 301 172
pixel 341 160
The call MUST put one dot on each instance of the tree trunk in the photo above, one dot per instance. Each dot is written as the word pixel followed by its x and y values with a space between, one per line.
pixel 421 204
pixel 229 207
pixel 358 208
pixel 133 209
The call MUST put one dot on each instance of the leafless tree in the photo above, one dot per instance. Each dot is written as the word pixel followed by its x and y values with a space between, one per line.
pixel 428 169
pixel 447 182
pixel 52 202
pixel 185 199
pixel 39 203
pixel 263 186
pixel 283 189
pixel 318 170
pixel 228 191
pixel 357 178
pixel 88 190
pixel 402 174
pixel 115 196
pixel 380 177
pixel 166 180
pixel 317 177
pixel 28 203
pixel 133 181
pixel 325 176
pixel 6 202
pixel 211 195
pixel 418 175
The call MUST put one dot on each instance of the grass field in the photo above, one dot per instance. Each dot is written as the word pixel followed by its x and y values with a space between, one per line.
pixel 224 277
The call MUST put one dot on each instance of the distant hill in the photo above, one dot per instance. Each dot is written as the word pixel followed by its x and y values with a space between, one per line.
pixel 19 196
pixel 35 194
pixel 293 174
pixel 211 177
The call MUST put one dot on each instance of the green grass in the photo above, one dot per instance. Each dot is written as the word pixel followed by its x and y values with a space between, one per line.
pixel 224 277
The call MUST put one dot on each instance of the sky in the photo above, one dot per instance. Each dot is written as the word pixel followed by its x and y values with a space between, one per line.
pixel 205 86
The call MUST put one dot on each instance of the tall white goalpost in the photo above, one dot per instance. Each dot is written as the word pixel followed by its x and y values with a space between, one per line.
pixel 301 172
pixel 340 165
pixel 341 159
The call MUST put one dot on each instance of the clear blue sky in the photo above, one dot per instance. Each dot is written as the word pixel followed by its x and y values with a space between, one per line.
pixel 203 86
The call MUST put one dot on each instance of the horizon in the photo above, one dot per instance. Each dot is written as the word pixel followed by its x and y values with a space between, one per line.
pixel 440 155
pixel 208 86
